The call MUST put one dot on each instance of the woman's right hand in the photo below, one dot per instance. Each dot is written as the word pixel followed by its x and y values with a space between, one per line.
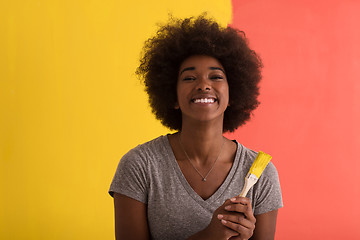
pixel 216 230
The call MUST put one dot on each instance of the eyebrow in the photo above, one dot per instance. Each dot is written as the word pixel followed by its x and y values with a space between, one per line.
pixel 187 69
pixel 193 68
pixel 217 68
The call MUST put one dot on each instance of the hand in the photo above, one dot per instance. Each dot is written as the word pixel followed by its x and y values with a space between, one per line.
pixel 216 230
pixel 239 217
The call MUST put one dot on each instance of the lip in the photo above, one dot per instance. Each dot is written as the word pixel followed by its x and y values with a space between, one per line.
pixel 204 99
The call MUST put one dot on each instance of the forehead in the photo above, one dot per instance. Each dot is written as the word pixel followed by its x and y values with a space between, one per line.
pixel 198 61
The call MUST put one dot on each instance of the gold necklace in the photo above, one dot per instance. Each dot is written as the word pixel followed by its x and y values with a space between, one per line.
pixel 187 156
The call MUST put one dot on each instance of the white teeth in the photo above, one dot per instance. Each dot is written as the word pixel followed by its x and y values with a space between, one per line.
pixel 204 100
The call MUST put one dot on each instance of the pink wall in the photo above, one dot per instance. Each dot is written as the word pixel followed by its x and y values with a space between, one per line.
pixel 309 119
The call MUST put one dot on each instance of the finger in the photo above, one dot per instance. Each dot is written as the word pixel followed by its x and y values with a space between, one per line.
pixel 238 219
pixel 243 231
pixel 248 209
pixel 242 200
pixel 236 207
pixel 242 205
pixel 228 231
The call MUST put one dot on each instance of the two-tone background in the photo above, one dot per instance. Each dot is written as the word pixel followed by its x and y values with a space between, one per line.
pixel 71 106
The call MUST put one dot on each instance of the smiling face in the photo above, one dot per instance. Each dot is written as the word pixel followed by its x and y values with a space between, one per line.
pixel 202 89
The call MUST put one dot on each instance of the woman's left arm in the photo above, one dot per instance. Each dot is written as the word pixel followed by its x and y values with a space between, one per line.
pixel 265 226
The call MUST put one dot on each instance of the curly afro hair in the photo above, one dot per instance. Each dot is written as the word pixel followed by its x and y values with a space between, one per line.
pixel 180 39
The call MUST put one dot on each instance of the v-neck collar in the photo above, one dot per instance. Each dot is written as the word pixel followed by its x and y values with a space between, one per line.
pixel 186 184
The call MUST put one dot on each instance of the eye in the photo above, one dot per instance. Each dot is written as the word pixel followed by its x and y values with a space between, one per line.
pixel 217 77
pixel 188 78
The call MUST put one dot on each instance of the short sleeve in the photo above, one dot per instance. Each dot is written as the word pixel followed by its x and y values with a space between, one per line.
pixel 267 192
pixel 130 178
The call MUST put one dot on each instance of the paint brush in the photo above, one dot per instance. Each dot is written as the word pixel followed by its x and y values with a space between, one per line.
pixel 260 163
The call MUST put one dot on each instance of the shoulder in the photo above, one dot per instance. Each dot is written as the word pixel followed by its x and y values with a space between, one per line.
pixel 146 150
pixel 143 157
pixel 266 193
pixel 248 157
pixel 132 175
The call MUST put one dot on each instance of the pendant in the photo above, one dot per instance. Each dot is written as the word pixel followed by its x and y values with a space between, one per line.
pixel 204 179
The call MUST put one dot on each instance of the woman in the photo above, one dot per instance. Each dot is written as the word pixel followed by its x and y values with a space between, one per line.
pixel 202 81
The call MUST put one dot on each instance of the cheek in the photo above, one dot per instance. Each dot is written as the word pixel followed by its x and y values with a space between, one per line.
pixel 182 93
pixel 227 97
pixel 178 95
pixel 226 92
pixel 180 98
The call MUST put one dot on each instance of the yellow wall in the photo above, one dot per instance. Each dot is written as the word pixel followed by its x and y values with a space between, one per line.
pixel 71 106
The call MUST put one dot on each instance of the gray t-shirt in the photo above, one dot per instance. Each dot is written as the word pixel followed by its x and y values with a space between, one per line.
pixel 150 174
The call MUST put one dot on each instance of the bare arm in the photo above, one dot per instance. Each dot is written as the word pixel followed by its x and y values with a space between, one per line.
pixel 131 222
pixel 265 226
pixel 130 218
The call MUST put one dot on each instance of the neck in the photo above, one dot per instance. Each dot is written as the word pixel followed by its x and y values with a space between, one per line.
pixel 202 143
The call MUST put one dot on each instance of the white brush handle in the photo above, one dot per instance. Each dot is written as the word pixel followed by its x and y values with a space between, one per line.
pixel 250 180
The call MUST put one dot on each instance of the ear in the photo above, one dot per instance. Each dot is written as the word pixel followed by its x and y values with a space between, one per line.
pixel 177 106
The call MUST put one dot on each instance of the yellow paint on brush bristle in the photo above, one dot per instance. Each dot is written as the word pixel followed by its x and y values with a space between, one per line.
pixel 260 163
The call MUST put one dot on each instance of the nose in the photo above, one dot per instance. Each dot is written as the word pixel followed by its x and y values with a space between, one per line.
pixel 203 84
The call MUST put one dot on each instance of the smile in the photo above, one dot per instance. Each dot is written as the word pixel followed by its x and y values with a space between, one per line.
pixel 204 100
